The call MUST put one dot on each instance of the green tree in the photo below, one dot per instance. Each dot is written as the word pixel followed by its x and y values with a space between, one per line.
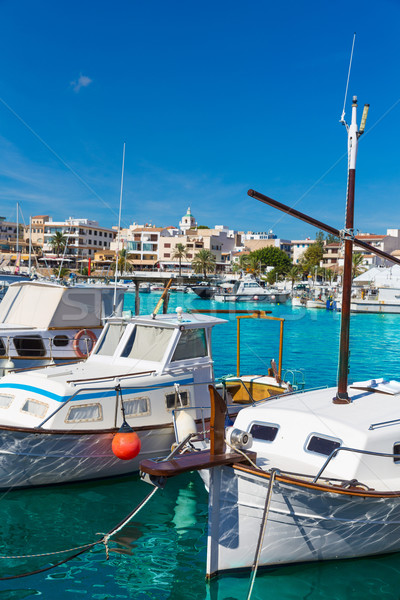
pixel 61 273
pixel 312 257
pixel 124 262
pixel 58 242
pixel 293 274
pixel 272 257
pixel 357 268
pixel 179 253
pixel 203 227
pixel 204 262
pixel 241 264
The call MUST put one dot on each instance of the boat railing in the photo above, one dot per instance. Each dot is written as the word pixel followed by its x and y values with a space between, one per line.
pixel 356 451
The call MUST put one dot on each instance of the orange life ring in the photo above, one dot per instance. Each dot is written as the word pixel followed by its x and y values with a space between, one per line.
pixel 77 339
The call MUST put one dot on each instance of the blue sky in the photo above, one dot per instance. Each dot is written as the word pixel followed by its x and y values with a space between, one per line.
pixel 211 98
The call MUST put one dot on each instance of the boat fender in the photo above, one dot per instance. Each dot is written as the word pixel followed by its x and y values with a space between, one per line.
pixel 6 366
pixel 255 297
pixel 77 338
pixel 126 443
pixel 185 424
pixel 237 438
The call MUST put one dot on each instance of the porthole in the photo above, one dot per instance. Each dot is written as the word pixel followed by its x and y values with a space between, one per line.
pixel 84 413
pixel 60 340
pixel 35 407
pixel 319 444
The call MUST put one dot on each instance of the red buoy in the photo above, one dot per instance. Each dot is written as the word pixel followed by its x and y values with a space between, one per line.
pixel 126 443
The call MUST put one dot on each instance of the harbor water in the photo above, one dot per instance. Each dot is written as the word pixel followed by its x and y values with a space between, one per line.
pixel 161 553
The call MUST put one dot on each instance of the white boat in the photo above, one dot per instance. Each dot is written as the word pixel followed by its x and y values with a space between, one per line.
pixel 310 476
pixel 247 289
pixel 385 300
pixel 57 423
pixel 43 323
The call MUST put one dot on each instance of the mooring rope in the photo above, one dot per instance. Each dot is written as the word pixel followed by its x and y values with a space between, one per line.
pixel 81 549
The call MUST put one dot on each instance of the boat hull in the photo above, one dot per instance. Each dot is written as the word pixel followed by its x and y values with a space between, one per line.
pixel 34 458
pixel 305 523
pixel 375 307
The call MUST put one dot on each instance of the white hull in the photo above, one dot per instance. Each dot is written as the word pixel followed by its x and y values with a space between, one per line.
pixel 271 298
pixel 365 306
pixel 315 304
pixel 304 524
pixel 36 458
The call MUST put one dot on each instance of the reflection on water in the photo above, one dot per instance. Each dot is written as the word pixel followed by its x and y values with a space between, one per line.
pixel 161 554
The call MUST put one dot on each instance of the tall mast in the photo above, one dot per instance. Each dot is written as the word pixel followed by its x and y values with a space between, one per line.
pixel 353 133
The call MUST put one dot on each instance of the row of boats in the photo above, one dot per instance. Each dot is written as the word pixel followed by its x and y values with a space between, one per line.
pixel 292 475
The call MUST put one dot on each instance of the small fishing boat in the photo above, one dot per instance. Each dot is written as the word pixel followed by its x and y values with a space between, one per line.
pixel 60 423
pixel 247 289
pixel 314 475
pixel 384 300
pixel 45 323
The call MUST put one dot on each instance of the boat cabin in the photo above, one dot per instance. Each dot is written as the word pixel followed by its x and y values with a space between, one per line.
pixel 297 434
pixel 40 322
pixel 156 363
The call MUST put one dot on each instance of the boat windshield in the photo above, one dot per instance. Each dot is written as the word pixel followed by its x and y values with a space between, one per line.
pixel 111 339
pixel 147 343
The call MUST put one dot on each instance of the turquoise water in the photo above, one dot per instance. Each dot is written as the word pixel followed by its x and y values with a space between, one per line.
pixel 161 554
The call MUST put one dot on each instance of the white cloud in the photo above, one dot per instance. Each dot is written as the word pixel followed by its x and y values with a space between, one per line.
pixel 83 81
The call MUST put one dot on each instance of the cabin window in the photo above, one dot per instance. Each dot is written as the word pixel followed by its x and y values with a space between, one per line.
pixel 192 344
pixel 265 432
pixel 175 401
pixel 5 400
pixel 60 340
pixel 110 339
pixel 147 343
pixel 2 348
pixel 35 407
pixel 137 407
pixel 84 413
pixel 396 450
pixel 322 445
pixel 29 346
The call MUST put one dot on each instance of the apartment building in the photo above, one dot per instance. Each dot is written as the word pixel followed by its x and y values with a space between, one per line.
pixel 142 243
pixel 298 247
pixel 84 237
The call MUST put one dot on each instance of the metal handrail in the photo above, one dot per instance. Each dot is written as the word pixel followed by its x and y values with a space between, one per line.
pixel 357 451
pixel 382 424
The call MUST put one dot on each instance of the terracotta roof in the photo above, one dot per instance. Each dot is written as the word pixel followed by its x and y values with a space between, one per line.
pixel 370 237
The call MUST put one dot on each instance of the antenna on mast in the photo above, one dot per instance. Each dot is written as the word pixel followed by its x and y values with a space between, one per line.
pixel 119 232
pixel 347 83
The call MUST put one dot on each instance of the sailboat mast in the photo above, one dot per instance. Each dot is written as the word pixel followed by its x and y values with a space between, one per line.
pixel 342 396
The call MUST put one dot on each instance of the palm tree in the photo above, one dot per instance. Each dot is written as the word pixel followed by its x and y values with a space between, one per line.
pixel 204 262
pixel 357 265
pixel 179 253
pixel 242 263
pixel 253 265
pixel 124 262
pixel 58 242
pixel 293 274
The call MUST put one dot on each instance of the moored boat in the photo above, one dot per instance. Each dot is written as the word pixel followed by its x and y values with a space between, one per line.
pixel 311 476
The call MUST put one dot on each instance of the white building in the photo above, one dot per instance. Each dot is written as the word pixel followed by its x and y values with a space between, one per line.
pixel 84 237
pixel 298 247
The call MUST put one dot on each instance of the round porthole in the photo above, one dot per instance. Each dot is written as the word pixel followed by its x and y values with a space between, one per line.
pixel 60 340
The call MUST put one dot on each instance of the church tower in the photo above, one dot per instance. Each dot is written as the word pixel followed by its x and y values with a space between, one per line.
pixel 188 222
